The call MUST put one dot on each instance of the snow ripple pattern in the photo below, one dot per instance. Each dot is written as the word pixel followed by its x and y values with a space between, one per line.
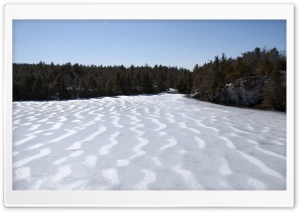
pixel 146 142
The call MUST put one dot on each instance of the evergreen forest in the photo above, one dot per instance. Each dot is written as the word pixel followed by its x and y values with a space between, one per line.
pixel 72 81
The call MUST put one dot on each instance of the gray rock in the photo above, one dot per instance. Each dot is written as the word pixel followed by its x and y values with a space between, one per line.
pixel 244 91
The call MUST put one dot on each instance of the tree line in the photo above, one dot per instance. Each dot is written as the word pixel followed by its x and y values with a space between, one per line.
pixel 71 81
pixel 210 79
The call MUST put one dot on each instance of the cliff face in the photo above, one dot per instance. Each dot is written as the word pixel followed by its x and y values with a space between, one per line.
pixel 244 92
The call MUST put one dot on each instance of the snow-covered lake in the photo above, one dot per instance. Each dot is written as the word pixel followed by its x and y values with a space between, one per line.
pixel 160 142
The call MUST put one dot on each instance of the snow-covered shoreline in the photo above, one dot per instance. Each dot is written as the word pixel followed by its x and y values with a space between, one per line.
pixel 159 142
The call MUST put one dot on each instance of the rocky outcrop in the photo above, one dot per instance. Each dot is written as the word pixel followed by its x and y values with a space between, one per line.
pixel 172 90
pixel 196 94
pixel 246 91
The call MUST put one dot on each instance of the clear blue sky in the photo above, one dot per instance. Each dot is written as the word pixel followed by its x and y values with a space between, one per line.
pixel 171 42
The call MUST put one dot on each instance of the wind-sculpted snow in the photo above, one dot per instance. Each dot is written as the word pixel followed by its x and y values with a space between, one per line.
pixel 159 142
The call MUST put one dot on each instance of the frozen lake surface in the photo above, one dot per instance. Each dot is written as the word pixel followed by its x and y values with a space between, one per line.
pixel 160 142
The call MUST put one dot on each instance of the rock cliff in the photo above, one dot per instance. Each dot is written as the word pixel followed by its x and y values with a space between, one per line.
pixel 247 91
pixel 244 92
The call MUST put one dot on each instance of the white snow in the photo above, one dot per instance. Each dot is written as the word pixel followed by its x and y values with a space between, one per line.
pixel 22 173
pixel 172 142
pixel 159 142
pixel 188 178
pixel 150 177
pixel 112 175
